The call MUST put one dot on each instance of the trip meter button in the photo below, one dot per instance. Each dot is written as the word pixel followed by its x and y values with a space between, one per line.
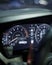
pixel 41 31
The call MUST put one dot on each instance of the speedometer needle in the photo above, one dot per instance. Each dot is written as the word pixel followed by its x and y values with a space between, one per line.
pixel 13 40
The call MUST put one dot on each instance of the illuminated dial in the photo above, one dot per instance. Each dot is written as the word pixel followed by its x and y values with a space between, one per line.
pixel 15 35
pixel 41 31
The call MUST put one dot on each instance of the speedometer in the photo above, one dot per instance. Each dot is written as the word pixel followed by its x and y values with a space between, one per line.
pixel 41 31
pixel 15 35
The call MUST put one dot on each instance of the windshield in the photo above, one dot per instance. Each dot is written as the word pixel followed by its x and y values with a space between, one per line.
pixel 19 4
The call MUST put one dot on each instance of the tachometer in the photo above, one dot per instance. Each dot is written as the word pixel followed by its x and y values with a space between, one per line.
pixel 41 31
pixel 16 34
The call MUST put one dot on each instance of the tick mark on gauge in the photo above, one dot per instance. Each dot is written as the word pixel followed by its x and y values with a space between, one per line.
pixel 17 28
pixel 10 32
pixel 13 29
pixel 9 36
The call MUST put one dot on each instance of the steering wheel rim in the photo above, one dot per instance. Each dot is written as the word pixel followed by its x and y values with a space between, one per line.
pixel 45 50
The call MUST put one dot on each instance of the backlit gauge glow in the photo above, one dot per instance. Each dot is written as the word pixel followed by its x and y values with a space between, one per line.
pixel 41 31
pixel 15 35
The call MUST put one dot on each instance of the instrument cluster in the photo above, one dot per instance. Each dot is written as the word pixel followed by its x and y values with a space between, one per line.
pixel 25 34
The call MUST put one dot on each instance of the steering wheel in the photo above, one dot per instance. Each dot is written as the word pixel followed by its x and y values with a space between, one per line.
pixel 45 50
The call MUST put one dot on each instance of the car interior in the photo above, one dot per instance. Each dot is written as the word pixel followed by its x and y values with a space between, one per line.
pixel 25 33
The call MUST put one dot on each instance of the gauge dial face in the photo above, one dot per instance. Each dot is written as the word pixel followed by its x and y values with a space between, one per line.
pixel 14 35
pixel 41 31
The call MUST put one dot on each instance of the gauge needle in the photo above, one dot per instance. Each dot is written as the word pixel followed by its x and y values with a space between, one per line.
pixel 13 40
pixel 29 58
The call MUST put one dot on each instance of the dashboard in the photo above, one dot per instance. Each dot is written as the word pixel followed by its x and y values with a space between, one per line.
pixel 20 36
pixel 23 38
